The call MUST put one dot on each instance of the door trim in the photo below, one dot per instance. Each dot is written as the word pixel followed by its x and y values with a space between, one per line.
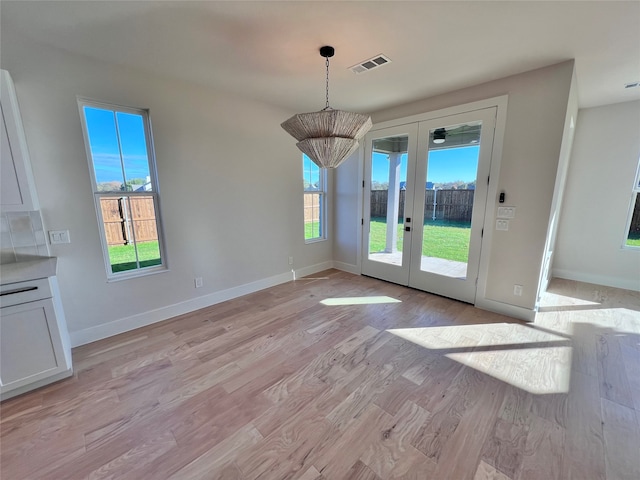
pixel 500 102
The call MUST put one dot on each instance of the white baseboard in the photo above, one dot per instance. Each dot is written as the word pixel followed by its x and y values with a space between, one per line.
pixel 92 334
pixel 514 311
pixel 99 332
pixel 615 282
pixel 484 304
pixel 311 269
pixel 520 313
pixel 347 267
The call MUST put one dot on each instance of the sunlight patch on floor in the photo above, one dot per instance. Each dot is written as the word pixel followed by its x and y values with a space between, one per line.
pixel 608 320
pixel 532 360
pixel 622 320
pixel 556 300
pixel 484 335
pixel 359 301
pixel 539 371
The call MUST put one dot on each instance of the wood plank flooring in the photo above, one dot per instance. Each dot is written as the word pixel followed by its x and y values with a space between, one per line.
pixel 277 385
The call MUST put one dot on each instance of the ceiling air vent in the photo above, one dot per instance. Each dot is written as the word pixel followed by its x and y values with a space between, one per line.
pixel 370 64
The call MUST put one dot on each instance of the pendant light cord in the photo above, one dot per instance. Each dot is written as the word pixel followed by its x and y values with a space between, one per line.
pixel 327 107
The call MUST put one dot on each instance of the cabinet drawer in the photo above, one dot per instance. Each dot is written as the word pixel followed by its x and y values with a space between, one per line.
pixel 23 292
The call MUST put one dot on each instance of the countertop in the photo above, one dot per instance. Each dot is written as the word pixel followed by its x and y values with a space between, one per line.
pixel 38 267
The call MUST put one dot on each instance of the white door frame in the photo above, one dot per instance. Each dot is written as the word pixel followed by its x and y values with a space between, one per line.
pixel 501 102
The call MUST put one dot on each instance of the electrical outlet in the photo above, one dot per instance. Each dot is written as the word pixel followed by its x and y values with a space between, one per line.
pixel 198 282
pixel 517 290
pixel 57 237
pixel 290 260
pixel 502 225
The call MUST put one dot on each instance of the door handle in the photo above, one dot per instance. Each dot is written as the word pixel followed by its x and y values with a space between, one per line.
pixel 407 229
pixel 18 290
pixel 408 220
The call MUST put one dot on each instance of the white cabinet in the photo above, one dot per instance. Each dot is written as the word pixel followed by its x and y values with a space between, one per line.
pixel 34 346
pixel 17 189
pixel 28 350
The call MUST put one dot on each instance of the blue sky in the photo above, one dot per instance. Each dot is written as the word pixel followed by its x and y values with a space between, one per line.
pixel 310 171
pixel 448 165
pixel 103 140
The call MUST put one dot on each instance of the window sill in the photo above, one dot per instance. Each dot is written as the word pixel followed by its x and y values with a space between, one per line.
pixel 314 240
pixel 137 273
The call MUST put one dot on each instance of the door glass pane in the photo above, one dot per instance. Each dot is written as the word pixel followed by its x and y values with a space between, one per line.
pixel 633 237
pixel 452 167
pixel 388 189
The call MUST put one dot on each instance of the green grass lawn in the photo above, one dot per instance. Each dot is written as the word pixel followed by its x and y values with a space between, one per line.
pixel 123 257
pixel 311 230
pixel 633 240
pixel 441 239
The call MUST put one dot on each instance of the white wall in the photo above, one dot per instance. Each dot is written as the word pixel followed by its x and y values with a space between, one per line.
pixel 536 113
pixel 347 201
pixel 560 186
pixel 230 183
pixel 597 199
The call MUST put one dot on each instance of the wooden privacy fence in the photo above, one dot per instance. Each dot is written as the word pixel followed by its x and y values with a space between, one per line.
pixel 311 207
pixel 122 215
pixel 455 205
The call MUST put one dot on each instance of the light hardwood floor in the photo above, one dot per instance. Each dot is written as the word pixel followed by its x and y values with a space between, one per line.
pixel 346 377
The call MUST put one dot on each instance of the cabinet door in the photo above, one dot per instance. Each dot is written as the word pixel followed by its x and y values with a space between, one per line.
pixel 17 189
pixel 30 349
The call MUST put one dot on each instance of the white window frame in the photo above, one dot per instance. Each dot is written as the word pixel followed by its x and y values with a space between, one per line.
pixel 154 193
pixel 322 192
pixel 635 192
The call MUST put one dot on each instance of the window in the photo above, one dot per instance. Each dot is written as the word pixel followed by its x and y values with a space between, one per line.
pixel 633 221
pixel 125 188
pixel 315 180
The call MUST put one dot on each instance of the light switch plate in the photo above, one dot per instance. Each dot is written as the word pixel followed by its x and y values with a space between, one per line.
pixel 502 225
pixel 506 212
pixel 57 237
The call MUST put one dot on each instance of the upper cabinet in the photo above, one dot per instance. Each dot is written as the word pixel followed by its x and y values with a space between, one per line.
pixel 17 189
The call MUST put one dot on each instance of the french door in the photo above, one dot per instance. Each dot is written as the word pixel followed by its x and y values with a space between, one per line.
pixel 425 196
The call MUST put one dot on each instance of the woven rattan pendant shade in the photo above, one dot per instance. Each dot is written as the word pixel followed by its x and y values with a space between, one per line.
pixel 329 136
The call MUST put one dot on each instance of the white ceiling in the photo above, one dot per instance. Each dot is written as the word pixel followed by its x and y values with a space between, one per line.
pixel 268 50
